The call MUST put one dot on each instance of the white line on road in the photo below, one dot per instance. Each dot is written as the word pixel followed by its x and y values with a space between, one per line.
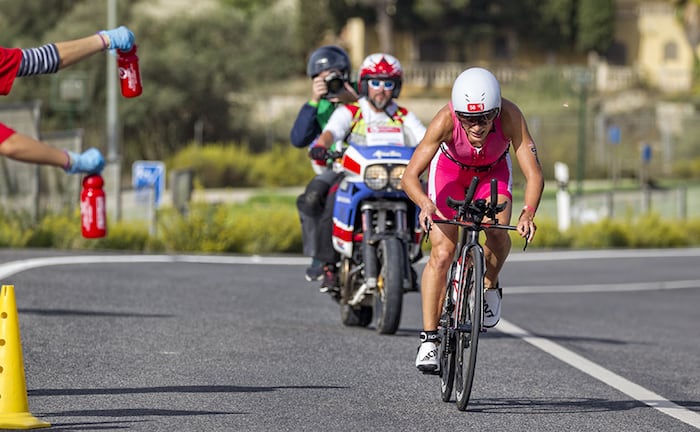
pixel 616 287
pixel 13 267
pixel 608 377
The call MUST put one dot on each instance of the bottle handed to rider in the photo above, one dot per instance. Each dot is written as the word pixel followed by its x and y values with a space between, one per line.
pixel 93 209
pixel 129 73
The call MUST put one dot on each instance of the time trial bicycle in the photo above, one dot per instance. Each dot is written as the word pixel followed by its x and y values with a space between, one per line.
pixel 461 320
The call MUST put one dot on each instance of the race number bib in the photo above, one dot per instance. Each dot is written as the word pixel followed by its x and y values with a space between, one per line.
pixel 385 135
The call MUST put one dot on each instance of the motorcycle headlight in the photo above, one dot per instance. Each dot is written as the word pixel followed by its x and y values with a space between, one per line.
pixel 376 177
pixel 395 176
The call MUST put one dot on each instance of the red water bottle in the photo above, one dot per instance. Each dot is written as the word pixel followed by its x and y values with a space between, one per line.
pixel 129 73
pixel 93 209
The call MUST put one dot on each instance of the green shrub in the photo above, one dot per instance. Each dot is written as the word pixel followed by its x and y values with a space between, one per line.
pixel 233 228
pixel 282 166
pixel 14 229
pixel 268 224
pixel 653 232
pixel 604 234
pixel 547 236
pixel 233 165
pixel 125 236
pixel 61 231
pixel 692 229
pixel 215 165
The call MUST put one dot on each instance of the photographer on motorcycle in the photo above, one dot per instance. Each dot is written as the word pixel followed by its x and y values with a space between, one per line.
pixel 379 83
pixel 329 70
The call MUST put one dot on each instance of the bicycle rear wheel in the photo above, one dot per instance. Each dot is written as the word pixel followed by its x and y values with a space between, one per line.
pixel 468 326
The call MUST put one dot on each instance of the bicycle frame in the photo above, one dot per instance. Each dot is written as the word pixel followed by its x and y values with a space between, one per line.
pixel 461 320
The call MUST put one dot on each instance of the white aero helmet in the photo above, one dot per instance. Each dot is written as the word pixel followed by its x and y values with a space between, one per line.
pixel 476 92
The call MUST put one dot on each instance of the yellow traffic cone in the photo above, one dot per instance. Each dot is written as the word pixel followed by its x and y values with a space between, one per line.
pixel 14 407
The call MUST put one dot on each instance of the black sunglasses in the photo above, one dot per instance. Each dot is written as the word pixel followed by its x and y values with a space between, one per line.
pixel 480 119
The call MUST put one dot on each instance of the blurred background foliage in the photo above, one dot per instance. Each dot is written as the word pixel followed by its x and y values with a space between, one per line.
pixel 236 228
pixel 204 66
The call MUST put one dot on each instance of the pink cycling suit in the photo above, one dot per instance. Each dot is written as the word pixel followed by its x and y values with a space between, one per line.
pixel 449 178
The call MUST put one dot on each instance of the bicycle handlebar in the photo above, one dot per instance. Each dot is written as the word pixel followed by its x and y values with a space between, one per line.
pixel 478 209
pixel 475 211
pixel 457 204
pixel 494 191
pixel 335 154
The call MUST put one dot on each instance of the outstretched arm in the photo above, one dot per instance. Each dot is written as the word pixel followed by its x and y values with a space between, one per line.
pixel 24 148
pixel 50 58
pixel 525 149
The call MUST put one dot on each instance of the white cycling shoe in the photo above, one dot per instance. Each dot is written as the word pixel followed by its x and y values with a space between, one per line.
pixel 427 358
pixel 492 307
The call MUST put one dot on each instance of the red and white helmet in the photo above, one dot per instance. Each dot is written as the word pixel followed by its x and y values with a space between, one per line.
pixel 476 91
pixel 380 66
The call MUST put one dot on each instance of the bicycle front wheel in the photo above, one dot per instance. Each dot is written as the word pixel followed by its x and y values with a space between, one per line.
pixel 447 333
pixel 468 326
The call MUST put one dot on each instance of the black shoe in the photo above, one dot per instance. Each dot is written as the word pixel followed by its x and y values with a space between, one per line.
pixel 330 279
pixel 314 273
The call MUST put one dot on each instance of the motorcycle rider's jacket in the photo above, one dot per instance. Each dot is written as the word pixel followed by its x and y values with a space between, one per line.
pixel 357 121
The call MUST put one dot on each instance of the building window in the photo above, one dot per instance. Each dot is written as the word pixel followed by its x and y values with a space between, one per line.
pixel 617 54
pixel 670 51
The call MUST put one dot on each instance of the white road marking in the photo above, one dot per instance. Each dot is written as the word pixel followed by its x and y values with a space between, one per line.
pixel 10 268
pixel 608 377
pixel 617 287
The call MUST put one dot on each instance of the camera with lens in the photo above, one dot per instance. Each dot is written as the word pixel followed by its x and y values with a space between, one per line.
pixel 335 84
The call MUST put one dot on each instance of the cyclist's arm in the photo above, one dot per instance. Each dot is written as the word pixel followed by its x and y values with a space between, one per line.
pixel 525 149
pixel 439 130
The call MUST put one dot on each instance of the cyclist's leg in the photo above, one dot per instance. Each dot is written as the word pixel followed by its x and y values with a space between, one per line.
pixel 433 283
pixel 497 245
pixel 442 240
pixel 445 179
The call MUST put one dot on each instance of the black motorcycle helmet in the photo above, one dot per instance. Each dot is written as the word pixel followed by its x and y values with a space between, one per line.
pixel 329 57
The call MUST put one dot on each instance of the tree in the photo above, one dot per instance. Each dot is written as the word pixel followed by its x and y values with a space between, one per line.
pixel 594 29
pixel 27 21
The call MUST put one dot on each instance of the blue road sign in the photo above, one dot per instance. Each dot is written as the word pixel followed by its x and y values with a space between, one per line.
pixel 646 153
pixel 149 175
pixel 614 135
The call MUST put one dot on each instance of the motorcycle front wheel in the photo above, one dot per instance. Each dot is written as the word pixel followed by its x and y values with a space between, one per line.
pixel 388 300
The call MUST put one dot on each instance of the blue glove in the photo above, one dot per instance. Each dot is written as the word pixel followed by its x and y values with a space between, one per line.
pixel 90 161
pixel 120 38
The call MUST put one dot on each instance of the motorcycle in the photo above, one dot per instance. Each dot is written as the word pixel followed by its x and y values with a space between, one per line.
pixel 377 234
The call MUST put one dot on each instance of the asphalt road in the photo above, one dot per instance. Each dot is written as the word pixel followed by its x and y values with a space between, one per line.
pixel 600 341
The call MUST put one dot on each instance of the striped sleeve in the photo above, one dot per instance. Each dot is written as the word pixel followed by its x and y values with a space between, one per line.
pixel 39 61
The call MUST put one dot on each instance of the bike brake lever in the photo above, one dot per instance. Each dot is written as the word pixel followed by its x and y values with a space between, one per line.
pixel 527 241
